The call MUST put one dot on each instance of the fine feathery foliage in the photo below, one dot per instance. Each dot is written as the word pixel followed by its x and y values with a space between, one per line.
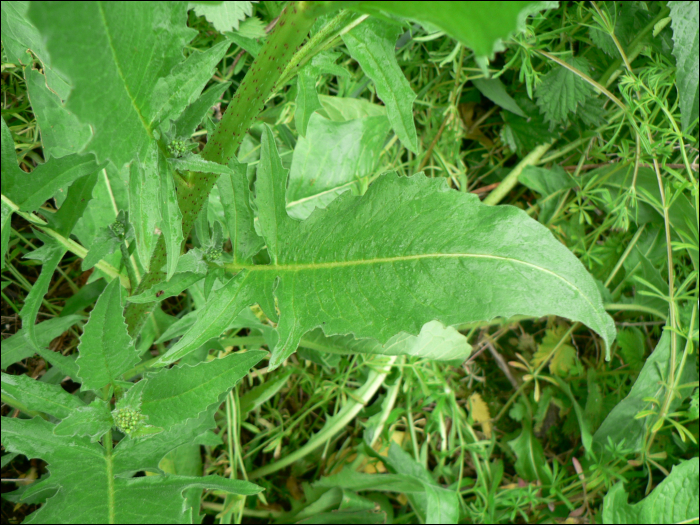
pixel 268 221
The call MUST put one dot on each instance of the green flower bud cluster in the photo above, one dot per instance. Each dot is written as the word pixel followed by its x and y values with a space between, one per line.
pixel 213 254
pixel 178 148
pixel 127 419
pixel 118 228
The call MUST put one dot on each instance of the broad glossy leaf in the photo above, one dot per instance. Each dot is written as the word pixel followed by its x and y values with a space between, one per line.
pixel 20 36
pixel 38 396
pixel 372 45
pixel 89 492
pixel 138 70
pixel 478 25
pixel 174 394
pixel 106 350
pixel 17 347
pixel 31 190
pixel 435 341
pixel 674 500
pixel 235 198
pixel 348 270
pixel 684 20
pixel 621 425
pixel 330 159
pixel 340 109
pixel 92 421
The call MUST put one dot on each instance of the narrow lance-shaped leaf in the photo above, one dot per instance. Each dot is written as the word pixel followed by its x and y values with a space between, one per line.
pixel 307 100
pixel 144 208
pixel 106 350
pixel 171 217
pixel 235 197
pixel 372 45
pixel 348 270
pixel 174 394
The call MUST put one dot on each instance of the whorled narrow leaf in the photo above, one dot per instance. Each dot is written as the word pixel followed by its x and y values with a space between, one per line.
pixel 330 159
pixel 31 190
pixel 235 198
pixel 106 350
pixel 372 45
pixel 38 396
pixel 88 491
pixel 684 20
pixel 172 395
pixel 348 270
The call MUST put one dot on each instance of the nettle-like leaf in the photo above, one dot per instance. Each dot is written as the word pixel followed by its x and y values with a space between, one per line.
pixel 562 92
pixel 684 20
pixel 347 269
pixel 224 16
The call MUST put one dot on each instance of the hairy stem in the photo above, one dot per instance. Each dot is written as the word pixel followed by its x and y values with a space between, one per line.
pixel 260 80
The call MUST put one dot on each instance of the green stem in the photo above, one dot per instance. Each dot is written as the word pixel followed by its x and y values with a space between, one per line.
pixel 512 178
pixel 292 27
pixel 334 424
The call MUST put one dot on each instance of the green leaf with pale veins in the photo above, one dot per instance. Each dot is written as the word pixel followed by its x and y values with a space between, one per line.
pixel 138 70
pixel 674 500
pixel 235 198
pixel 86 490
pixel 31 190
pixel 562 92
pixel 93 421
pixel 372 45
pixel 37 396
pixel 348 270
pixel 330 159
pixel 106 350
pixel 172 395
pixel 478 25
pixel 684 21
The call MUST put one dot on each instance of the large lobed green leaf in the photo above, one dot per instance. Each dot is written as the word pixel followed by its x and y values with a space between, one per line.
pixel 85 486
pixel 478 25
pixel 684 20
pixel 352 269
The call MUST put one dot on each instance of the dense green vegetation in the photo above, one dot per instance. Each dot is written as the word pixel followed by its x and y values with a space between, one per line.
pixel 410 262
